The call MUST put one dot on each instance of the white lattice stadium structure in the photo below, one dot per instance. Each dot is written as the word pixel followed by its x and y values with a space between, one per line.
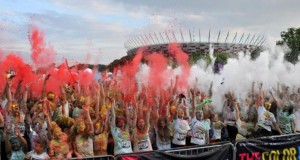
pixel 192 42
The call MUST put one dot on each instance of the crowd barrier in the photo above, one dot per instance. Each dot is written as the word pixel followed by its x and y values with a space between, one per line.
pixel 220 151
pixel 106 157
pixel 283 147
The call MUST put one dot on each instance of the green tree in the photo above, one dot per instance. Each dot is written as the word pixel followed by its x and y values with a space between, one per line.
pixel 291 38
pixel 255 53
pixel 221 58
pixel 199 55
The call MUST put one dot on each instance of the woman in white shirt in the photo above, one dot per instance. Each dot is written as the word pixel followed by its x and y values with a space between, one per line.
pixel 141 139
pixel 200 127
pixel 181 126
pixel 231 116
pixel 162 129
pixel 120 133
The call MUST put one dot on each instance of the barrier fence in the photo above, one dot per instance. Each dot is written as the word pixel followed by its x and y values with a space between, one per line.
pixel 220 151
pixel 106 157
pixel 283 147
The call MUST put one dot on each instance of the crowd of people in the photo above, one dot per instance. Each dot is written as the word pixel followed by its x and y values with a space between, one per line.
pixel 105 121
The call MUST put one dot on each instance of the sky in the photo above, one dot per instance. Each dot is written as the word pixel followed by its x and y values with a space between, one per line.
pixel 95 31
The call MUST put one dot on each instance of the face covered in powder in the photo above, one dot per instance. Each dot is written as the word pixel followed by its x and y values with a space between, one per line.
pixel 15 143
pixel 199 114
pixel 141 123
pixel 80 127
pixel 57 133
pixel 267 105
pixel 15 108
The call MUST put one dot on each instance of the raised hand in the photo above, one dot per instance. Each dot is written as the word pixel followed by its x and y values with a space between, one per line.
pixel 17 131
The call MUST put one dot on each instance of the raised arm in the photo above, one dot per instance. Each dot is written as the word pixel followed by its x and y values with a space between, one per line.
pixel 210 89
pixel 7 143
pixel 127 116
pixel 175 86
pixel 1 120
pixel 89 120
pixel 260 97
pixel 177 106
pixel 8 95
pixel 193 104
pixel 44 86
pixel 113 114
pixel 147 120
pixel 155 112
pixel 278 101
pixel 24 100
pixel 48 121
pixel 22 139
pixel 134 116
pixel 168 107
pixel 187 113
pixel 97 107
pixel 25 95
pixel 237 110
pixel 19 91
pixel 106 121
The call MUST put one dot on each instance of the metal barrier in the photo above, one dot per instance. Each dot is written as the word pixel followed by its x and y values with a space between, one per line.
pixel 225 151
pixel 202 149
pixel 193 151
pixel 281 137
pixel 150 154
pixel 106 157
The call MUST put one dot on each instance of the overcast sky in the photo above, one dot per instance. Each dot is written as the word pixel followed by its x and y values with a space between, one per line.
pixel 95 31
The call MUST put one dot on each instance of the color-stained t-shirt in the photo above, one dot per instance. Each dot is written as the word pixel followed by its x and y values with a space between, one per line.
pixel 122 142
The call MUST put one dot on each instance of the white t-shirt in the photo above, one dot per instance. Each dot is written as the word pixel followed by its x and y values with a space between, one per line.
pixel 230 116
pixel 161 145
pixel 285 121
pixel 84 145
pixel 4 102
pixel 141 142
pixel 34 155
pixel 122 142
pixel 198 136
pixel 66 109
pixel 76 112
pixel 297 121
pixel 262 118
pixel 17 155
pixel 181 127
pixel 217 130
pixel 16 121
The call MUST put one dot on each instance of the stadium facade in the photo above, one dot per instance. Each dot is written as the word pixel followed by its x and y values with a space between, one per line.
pixel 190 43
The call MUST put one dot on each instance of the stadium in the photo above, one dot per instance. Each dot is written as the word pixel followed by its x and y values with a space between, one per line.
pixel 193 42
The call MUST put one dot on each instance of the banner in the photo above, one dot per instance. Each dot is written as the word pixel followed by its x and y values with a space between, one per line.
pixel 269 148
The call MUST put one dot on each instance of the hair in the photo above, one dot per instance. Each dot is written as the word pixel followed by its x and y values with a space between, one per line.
pixel 163 132
pixel 73 129
pixel 41 140
pixel 77 122
pixel 290 107
pixel 137 120
pixel 14 139
pixel 118 119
